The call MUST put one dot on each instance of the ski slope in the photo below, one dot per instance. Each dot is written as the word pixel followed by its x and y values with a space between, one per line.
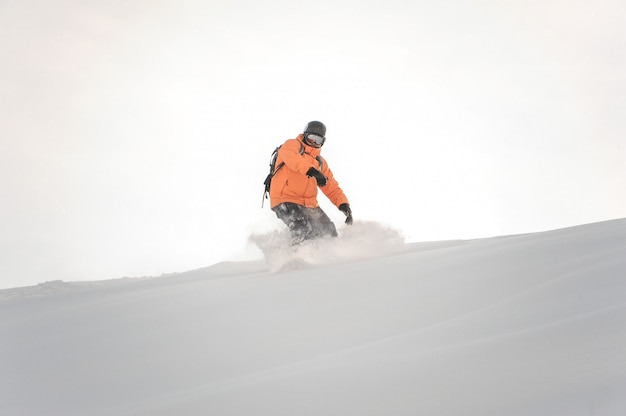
pixel 531 324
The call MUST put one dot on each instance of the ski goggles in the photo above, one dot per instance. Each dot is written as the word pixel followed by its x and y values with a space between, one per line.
pixel 315 140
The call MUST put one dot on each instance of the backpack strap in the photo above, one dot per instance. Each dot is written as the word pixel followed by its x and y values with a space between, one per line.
pixel 320 160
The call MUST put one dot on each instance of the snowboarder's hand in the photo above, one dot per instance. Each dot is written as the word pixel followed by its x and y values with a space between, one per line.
pixel 345 208
pixel 319 177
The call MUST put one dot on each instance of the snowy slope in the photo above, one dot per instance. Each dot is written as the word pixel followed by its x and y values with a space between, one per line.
pixel 531 324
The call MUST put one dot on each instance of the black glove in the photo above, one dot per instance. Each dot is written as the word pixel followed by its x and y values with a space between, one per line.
pixel 345 208
pixel 321 179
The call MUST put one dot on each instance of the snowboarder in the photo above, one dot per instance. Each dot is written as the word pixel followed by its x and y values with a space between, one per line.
pixel 299 171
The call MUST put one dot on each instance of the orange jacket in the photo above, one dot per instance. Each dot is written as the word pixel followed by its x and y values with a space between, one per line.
pixel 290 183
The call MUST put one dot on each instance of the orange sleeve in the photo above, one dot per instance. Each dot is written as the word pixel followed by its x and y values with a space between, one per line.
pixel 332 190
pixel 290 154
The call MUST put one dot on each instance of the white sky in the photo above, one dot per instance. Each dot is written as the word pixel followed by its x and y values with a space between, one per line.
pixel 136 135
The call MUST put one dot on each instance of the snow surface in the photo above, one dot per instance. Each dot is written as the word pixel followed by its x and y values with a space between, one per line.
pixel 530 324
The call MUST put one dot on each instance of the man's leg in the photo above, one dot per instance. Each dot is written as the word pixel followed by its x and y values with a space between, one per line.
pixel 294 216
pixel 321 225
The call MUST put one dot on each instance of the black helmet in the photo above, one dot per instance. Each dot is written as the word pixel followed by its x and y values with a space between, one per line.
pixel 315 127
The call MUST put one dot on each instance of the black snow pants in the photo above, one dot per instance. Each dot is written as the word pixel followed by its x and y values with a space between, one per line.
pixel 305 223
